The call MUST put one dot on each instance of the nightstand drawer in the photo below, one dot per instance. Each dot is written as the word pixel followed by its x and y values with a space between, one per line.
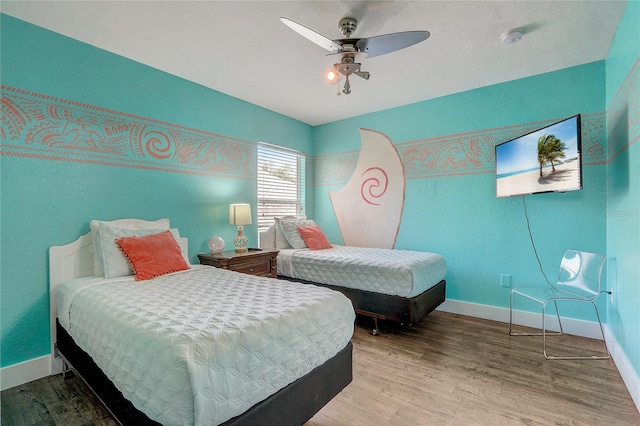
pixel 262 263
pixel 254 268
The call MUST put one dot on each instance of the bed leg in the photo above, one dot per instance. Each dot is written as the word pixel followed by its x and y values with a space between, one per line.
pixel 67 372
pixel 376 330
pixel 375 316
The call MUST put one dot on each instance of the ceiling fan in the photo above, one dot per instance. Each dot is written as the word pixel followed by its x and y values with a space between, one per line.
pixel 351 49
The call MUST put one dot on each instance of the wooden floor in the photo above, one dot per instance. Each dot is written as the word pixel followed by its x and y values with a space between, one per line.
pixel 450 370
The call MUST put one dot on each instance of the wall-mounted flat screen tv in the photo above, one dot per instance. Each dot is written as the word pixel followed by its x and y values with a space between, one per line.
pixel 545 160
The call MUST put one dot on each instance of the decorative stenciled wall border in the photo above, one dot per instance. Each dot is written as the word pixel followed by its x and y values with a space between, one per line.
pixel 459 154
pixel 42 127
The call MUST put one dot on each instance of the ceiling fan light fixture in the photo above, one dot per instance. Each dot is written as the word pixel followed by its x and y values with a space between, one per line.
pixel 346 67
pixel 352 49
pixel 511 37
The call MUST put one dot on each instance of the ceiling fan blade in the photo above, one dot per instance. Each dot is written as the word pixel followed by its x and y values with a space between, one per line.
pixel 311 35
pixel 379 45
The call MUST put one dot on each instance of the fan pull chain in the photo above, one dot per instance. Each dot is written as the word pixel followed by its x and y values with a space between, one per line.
pixel 347 86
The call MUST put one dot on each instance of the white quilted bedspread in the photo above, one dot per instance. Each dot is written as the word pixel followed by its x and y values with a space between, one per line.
pixel 204 345
pixel 395 272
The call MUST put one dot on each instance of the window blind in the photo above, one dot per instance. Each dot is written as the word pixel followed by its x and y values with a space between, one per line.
pixel 281 183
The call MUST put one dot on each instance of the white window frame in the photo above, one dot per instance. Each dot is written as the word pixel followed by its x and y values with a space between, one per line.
pixel 280 183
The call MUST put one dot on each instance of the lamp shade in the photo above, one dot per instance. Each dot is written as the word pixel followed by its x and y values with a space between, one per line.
pixel 239 214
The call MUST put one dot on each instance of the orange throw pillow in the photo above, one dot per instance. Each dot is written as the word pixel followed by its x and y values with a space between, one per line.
pixel 313 237
pixel 153 255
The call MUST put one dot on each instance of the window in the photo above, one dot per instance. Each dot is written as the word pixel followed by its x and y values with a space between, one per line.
pixel 281 183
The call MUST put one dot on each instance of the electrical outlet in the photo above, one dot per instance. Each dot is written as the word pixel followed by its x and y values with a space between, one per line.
pixel 505 280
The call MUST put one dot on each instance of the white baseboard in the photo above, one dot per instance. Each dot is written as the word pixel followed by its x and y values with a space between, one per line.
pixel 629 376
pixel 570 326
pixel 575 327
pixel 25 372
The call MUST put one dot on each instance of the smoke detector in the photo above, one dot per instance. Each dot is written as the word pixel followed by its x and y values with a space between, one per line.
pixel 511 37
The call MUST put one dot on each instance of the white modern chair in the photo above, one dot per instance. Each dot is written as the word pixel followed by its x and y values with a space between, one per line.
pixel 578 281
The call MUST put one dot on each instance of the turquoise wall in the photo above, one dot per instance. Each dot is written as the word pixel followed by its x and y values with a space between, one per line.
pixel 50 191
pixel 87 134
pixel 447 146
pixel 623 189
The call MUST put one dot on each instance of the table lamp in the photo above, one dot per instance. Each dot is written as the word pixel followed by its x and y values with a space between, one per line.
pixel 240 215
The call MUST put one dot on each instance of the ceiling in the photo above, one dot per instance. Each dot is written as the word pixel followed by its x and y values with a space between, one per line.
pixel 242 49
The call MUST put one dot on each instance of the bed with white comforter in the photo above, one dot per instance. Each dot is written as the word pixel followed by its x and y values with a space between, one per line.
pixel 397 285
pixel 394 272
pixel 203 345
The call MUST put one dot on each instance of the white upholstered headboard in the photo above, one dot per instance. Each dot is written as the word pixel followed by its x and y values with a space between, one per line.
pixel 268 238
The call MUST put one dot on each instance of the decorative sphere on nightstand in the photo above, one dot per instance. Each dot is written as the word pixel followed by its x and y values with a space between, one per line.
pixel 216 244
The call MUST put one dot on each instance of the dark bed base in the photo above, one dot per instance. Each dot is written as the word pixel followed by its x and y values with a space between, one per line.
pixel 386 307
pixel 292 405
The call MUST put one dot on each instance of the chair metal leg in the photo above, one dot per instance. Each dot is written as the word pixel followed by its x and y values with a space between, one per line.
pixel 512 333
pixel 545 333
pixel 544 329
pixel 578 281
pixel 604 341
pixel 555 303
pixel 511 314
pixel 544 341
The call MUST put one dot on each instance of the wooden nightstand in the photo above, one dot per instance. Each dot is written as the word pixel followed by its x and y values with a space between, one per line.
pixel 263 263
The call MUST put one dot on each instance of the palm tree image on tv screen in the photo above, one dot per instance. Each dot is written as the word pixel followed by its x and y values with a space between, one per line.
pixel 545 160
pixel 550 150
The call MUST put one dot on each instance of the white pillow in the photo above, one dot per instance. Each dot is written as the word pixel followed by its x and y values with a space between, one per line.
pixel 183 249
pixel 98 266
pixel 281 239
pixel 290 230
pixel 114 262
